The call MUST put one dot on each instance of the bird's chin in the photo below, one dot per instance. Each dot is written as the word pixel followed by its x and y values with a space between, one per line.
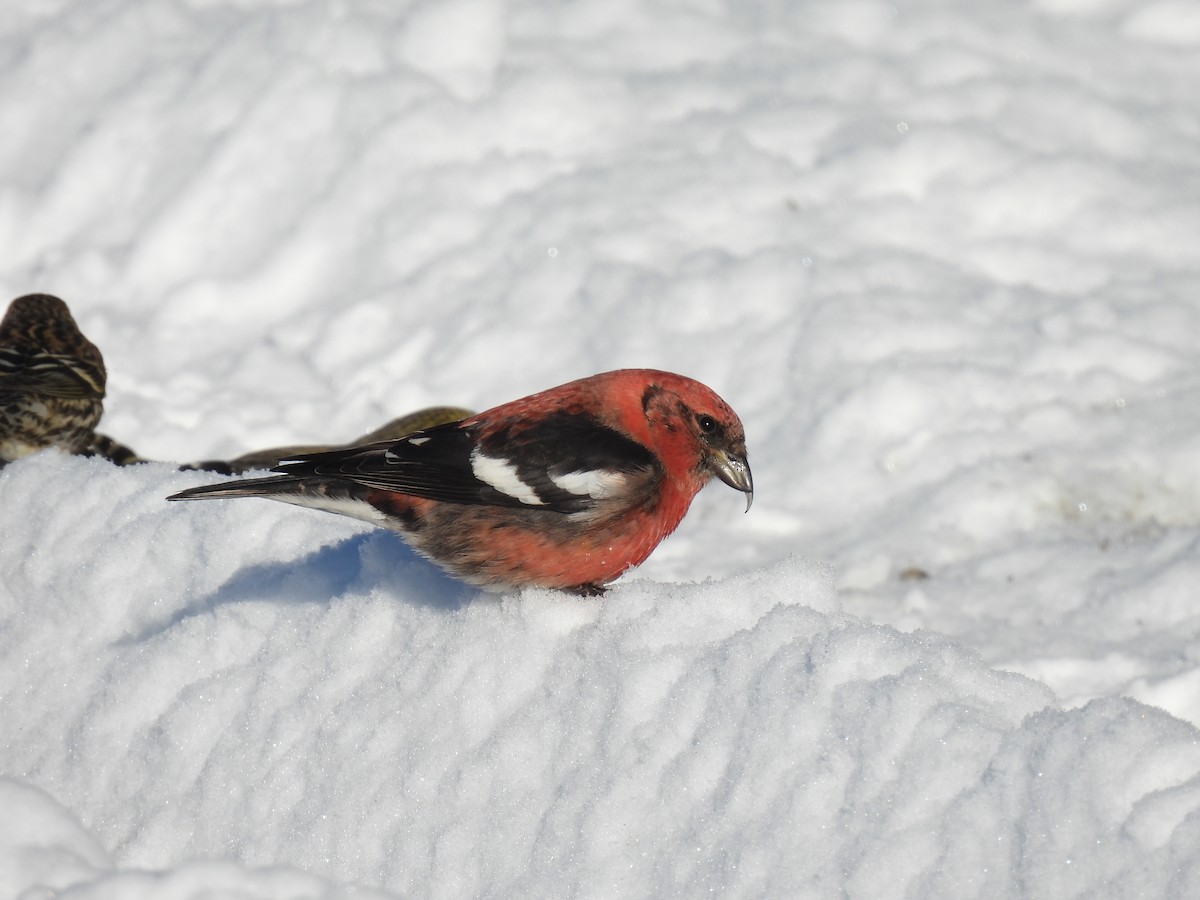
pixel 735 472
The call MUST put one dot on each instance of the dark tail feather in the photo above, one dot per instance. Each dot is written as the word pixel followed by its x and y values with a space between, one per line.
pixel 114 451
pixel 252 487
pixel 392 431
pixel 335 495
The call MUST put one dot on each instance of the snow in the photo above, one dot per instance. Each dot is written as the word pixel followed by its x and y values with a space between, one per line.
pixel 940 257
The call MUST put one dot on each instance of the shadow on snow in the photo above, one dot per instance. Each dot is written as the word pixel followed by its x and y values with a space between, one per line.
pixel 375 560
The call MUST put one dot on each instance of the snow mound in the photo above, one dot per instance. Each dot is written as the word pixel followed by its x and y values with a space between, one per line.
pixel 351 710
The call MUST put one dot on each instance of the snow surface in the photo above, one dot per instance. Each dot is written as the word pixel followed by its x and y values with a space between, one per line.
pixel 941 257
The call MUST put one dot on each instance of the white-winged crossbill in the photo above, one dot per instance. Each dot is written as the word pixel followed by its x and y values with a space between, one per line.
pixel 567 488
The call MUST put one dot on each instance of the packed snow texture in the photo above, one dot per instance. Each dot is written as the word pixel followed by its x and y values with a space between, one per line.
pixel 942 259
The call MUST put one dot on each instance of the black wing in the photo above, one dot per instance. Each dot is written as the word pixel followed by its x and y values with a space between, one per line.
pixel 564 463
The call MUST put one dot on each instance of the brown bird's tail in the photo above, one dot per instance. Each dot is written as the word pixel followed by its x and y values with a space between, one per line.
pixel 113 450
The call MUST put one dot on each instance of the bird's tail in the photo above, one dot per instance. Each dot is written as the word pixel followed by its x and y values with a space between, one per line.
pixel 336 495
pixel 277 487
pixel 112 450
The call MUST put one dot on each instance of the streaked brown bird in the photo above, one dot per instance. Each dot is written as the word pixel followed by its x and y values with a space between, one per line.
pixel 51 380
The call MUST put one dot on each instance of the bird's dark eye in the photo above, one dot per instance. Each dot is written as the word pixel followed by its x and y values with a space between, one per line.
pixel 707 423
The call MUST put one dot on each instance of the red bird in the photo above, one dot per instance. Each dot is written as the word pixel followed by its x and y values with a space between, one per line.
pixel 568 488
